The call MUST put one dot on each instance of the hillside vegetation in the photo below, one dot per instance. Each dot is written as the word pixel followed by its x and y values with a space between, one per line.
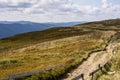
pixel 67 46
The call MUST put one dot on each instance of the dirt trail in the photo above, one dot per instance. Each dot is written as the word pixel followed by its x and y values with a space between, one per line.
pixel 90 65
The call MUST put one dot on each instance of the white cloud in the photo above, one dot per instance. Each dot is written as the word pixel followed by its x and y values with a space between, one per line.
pixel 105 3
pixel 54 9
pixel 51 6
pixel 40 6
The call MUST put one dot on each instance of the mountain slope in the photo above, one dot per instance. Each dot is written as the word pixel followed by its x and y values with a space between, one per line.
pixel 32 52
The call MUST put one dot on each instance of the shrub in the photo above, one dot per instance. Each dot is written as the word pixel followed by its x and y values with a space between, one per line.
pixel 7 60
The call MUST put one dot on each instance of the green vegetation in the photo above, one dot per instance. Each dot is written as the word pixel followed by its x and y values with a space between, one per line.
pixel 51 47
pixel 7 61
pixel 106 25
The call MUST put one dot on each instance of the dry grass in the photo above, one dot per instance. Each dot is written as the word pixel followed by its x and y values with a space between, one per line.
pixel 35 59
pixel 68 48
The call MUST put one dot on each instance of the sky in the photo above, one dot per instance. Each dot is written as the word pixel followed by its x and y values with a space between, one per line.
pixel 59 10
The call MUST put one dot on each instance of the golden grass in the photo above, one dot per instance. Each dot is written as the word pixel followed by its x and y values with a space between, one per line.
pixel 68 51
pixel 35 59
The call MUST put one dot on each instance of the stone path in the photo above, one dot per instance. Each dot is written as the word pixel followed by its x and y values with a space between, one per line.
pixel 90 65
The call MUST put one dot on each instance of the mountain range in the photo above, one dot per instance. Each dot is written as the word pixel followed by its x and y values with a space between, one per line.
pixel 10 28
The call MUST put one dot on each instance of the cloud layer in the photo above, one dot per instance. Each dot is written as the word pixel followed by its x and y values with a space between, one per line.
pixel 59 8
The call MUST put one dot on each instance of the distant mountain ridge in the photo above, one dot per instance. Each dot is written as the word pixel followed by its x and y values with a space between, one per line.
pixel 11 28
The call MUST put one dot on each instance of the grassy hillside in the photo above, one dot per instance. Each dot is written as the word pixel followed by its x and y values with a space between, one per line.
pixel 106 25
pixel 56 46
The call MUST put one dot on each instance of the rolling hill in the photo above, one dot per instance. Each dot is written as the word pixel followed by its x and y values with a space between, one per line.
pixel 53 53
